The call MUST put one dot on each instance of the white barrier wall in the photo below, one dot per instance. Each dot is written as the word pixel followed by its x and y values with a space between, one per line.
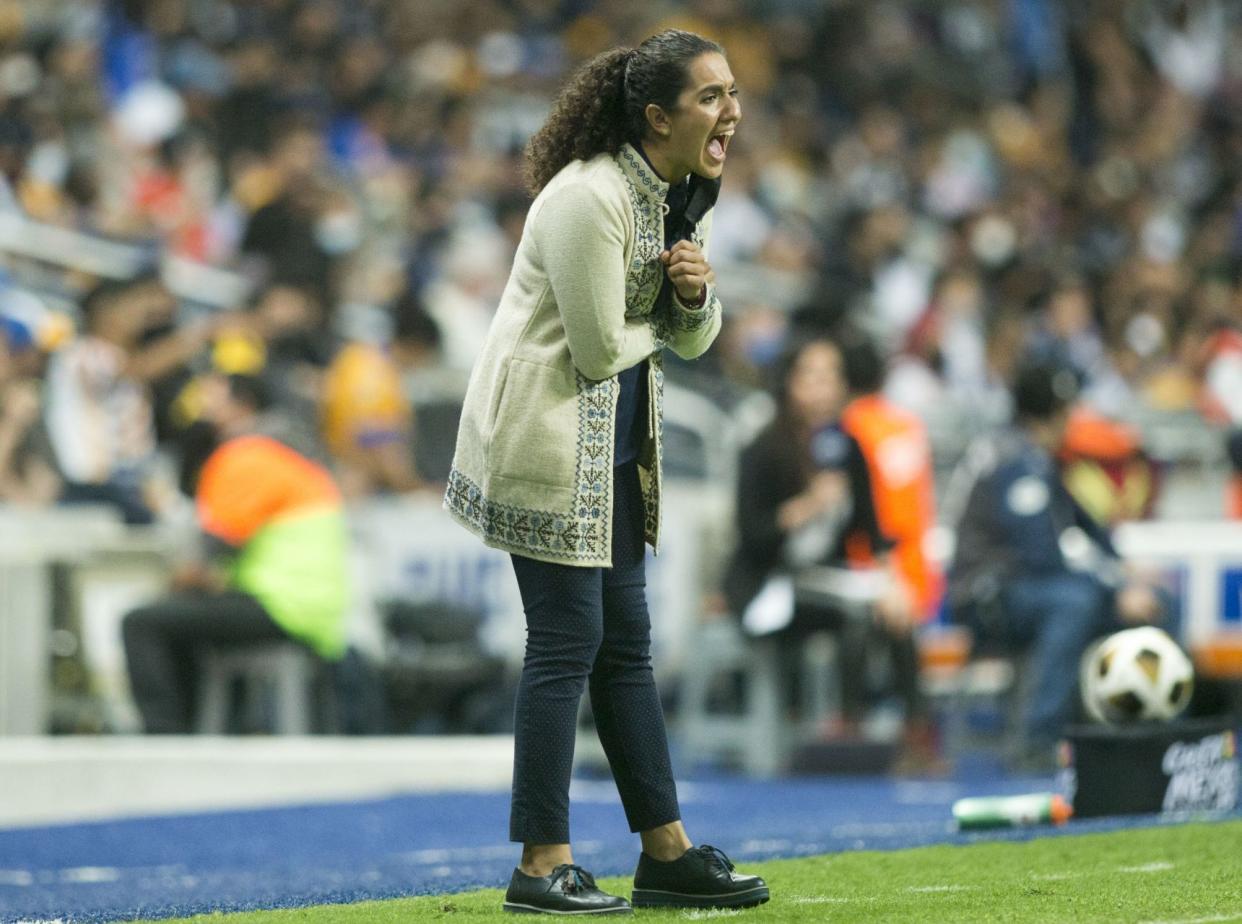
pixel 414 551
pixel 1200 562
pixel 409 548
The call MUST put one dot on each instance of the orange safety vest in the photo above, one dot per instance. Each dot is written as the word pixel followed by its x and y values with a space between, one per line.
pixel 894 443
pixel 251 481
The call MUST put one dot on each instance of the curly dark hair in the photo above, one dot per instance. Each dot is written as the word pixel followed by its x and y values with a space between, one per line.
pixel 604 104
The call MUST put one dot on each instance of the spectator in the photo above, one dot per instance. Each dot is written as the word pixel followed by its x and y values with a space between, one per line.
pixel 1105 468
pixel 280 338
pixel 1010 581
pixel 27 467
pixel 278 515
pixel 304 225
pixel 367 419
pixel 1067 335
pixel 805 499
pixel 899 460
pixel 99 411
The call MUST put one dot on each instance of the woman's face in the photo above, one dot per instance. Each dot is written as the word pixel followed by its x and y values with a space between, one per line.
pixel 816 385
pixel 695 135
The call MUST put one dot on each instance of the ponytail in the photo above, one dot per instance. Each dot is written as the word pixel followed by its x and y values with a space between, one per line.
pixel 587 119
pixel 604 105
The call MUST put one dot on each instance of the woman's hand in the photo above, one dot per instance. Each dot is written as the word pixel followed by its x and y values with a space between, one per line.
pixel 1138 604
pixel 829 489
pixel 894 610
pixel 688 270
pixel 826 492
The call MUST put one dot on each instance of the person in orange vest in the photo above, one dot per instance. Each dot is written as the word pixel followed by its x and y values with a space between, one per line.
pixel 897 451
pixel 276 520
pixel 895 445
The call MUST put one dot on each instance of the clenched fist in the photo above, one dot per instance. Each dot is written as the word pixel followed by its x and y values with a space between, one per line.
pixel 688 270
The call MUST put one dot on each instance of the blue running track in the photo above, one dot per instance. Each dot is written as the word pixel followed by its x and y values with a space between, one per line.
pixel 419 844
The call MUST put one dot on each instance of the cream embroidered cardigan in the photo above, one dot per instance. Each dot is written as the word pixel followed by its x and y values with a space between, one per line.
pixel 532 472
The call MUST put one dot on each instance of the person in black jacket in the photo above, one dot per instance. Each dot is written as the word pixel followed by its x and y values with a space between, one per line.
pixel 804 499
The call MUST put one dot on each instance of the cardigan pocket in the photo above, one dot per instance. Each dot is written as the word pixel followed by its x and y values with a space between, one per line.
pixel 536 425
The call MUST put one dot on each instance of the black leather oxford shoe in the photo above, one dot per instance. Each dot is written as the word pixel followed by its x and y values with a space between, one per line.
pixel 702 877
pixel 568 889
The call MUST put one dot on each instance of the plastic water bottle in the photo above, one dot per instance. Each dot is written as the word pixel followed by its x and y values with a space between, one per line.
pixel 1037 808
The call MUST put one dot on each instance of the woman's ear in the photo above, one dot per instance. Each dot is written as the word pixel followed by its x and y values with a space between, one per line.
pixel 657 120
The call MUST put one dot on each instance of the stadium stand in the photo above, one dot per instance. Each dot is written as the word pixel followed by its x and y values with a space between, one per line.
pixel 966 183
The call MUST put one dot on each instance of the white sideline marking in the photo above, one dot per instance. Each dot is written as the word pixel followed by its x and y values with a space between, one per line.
pixel 939 888
pixel 922 792
pixel 1159 866
pixel 16 877
pixel 90 874
pixel 889 828
pixel 440 855
pixel 1210 919
pixel 771 845
pixel 819 900
pixel 594 791
pixel 704 914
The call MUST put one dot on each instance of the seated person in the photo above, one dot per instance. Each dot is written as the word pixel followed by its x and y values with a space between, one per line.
pixel 366 418
pixel 280 517
pixel 1010 580
pixel 804 496
pixel 28 472
pixel 99 411
pixel 1106 469
pixel 899 459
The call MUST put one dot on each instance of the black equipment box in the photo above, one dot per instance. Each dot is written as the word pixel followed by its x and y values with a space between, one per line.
pixel 1187 766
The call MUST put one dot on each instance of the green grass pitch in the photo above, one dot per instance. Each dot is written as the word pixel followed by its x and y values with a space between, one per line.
pixel 1182 874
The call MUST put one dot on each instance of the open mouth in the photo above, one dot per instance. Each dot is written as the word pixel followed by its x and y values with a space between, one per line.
pixel 718 144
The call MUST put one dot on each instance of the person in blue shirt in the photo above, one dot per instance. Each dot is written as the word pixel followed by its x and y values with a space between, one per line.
pixel 1032 572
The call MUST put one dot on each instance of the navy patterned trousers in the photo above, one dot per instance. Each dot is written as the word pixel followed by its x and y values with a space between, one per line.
pixel 590 626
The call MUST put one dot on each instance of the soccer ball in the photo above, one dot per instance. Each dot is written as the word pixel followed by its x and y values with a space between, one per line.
pixel 1134 676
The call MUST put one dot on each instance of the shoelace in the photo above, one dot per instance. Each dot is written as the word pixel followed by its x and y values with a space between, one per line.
pixel 576 878
pixel 716 857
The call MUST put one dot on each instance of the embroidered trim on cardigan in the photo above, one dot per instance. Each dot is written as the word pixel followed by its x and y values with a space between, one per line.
pixel 691 319
pixel 654 185
pixel 646 273
pixel 579 534
pixel 651 485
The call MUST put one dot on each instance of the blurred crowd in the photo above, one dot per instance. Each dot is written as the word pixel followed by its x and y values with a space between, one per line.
pixel 970 182
pixel 228 220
